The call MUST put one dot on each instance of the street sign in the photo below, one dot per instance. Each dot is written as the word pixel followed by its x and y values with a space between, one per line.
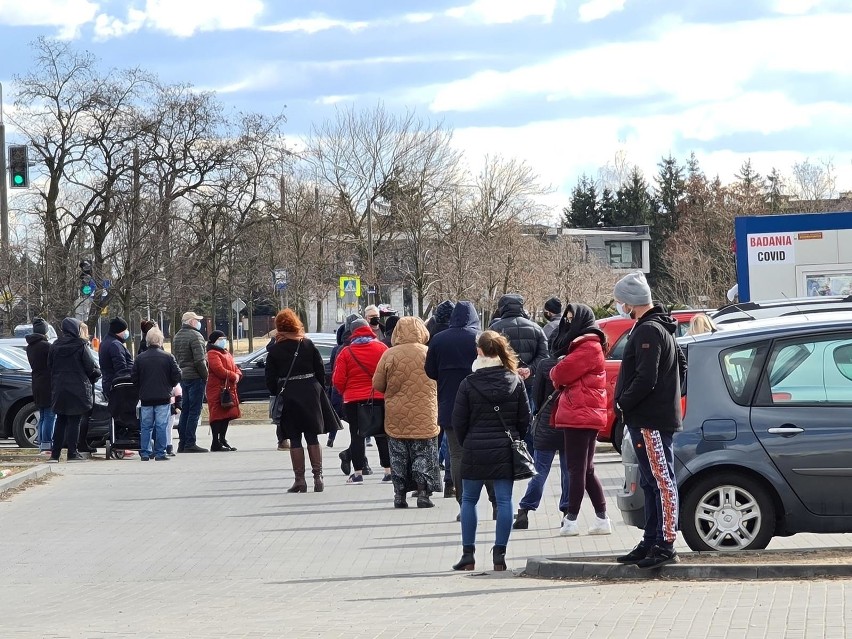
pixel 238 305
pixel 280 286
pixel 371 290
pixel 106 283
pixel 350 285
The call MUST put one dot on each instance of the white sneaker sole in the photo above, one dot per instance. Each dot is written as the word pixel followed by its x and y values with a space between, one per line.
pixel 569 533
pixel 600 532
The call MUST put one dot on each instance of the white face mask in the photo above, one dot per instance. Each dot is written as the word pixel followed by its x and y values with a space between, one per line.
pixel 197 325
pixel 622 311
pixel 222 343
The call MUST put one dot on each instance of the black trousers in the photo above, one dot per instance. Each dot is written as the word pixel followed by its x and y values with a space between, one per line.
pixel 65 435
pixel 357 447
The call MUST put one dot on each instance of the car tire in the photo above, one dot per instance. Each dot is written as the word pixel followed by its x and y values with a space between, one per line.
pixel 23 424
pixel 727 511
pixel 617 435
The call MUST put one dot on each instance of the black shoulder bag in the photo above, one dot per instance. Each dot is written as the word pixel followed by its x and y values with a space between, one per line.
pixel 276 404
pixel 550 401
pixel 523 466
pixel 371 415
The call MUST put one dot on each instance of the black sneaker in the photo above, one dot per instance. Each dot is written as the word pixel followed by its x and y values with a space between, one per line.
pixel 345 462
pixel 658 556
pixel 636 555
pixel 76 458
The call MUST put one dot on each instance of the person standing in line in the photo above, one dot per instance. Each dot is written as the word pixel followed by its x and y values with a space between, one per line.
pixel 188 347
pixel 223 373
pixel 440 320
pixel 411 413
pixel 373 317
pixel 491 410
pixel 113 357
pixel 37 349
pixel 648 395
pixel 525 337
pixel 344 340
pixel 353 377
pixel 145 326
pixel 72 375
pixel 701 324
pixel 295 365
pixel 581 411
pixel 390 325
pixel 155 374
pixel 553 315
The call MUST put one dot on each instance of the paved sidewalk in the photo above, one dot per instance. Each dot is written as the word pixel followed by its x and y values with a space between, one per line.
pixel 211 546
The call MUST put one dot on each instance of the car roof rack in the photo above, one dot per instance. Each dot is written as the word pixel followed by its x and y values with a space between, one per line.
pixel 744 307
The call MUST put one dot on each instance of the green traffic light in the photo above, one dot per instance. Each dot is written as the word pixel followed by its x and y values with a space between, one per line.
pixel 18 179
pixel 86 289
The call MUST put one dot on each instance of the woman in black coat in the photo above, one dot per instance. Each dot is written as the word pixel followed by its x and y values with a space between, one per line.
pixel 491 410
pixel 294 358
pixel 72 373
pixel 38 348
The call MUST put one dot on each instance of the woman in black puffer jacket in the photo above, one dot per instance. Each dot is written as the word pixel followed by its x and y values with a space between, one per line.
pixel 491 410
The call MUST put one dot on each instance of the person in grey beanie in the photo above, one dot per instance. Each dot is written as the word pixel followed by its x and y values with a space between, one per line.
pixel 553 315
pixel 647 394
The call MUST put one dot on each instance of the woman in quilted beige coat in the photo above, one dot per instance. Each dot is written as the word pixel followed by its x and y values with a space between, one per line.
pixel 411 413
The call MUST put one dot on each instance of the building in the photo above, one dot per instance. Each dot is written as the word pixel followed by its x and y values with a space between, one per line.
pixel 622 248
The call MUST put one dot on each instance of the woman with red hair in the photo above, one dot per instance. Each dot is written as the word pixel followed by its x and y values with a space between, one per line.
pixel 295 369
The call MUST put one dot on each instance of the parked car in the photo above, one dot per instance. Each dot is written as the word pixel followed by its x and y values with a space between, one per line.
pixel 749 311
pixel 252 387
pixel 617 330
pixel 766 447
pixel 22 330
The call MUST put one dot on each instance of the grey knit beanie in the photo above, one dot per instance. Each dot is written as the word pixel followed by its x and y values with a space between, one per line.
pixel 633 289
pixel 358 323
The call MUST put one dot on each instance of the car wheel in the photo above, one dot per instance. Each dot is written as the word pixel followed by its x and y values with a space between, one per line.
pixel 728 511
pixel 617 435
pixel 25 426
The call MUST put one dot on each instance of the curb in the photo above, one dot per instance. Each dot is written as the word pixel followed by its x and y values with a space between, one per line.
pixel 576 569
pixel 17 479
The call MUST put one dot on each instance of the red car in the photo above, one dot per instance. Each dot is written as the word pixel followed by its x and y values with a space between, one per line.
pixel 617 330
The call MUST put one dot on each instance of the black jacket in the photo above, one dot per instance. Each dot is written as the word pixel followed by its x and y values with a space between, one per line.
pixel 487 448
pixel 72 371
pixel 115 361
pixel 303 401
pixel 525 336
pixel 648 388
pixel 546 437
pixel 37 349
pixel 155 373
pixel 449 358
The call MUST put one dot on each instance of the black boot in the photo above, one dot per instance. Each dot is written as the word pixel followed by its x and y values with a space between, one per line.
pixel 494 511
pixel 467 561
pixel 223 429
pixel 366 470
pixel 399 499
pixel 449 490
pixel 423 500
pixel 345 462
pixel 522 522
pixel 216 445
pixel 499 555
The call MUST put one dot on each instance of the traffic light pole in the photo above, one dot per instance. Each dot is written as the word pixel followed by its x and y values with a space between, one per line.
pixel 4 202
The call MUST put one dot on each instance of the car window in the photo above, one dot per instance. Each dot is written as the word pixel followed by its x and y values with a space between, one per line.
pixel 617 350
pixel 10 361
pixel 843 360
pixel 740 368
pixel 324 351
pixel 810 371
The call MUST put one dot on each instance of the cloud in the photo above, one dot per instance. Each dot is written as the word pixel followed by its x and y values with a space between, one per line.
pixel 182 19
pixel 599 9
pixel 504 11
pixel 315 24
pixel 67 15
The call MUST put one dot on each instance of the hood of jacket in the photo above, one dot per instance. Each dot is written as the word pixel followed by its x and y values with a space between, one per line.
pixel 71 327
pixel 390 325
pixel 340 331
pixel 363 331
pixel 35 338
pixel 443 312
pixel 410 330
pixel 658 314
pixel 465 316
pixel 583 323
pixel 511 305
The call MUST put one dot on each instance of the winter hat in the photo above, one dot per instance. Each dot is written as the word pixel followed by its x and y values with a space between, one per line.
pixel 348 322
pixel 358 323
pixel 117 325
pixel 214 337
pixel 633 289
pixel 147 325
pixel 39 326
pixel 553 305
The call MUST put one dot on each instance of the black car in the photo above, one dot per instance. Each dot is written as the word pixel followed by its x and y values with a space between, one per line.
pixel 252 387
pixel 19 415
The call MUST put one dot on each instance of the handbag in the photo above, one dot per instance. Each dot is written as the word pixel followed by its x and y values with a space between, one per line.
pixel 523 466
pixel 551 399
pixel 276 404
pixel 371 414
pixel 226 398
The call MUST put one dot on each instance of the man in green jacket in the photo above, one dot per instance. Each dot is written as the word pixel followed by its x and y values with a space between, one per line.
pixel 188 347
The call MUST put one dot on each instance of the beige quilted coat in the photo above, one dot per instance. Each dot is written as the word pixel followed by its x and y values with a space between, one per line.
pixel 411 398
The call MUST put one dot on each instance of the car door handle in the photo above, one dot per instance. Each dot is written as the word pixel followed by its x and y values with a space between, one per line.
pixel 786 430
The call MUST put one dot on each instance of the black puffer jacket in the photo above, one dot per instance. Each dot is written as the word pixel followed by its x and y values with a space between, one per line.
pixel 546 437
pixel 37 349
pixel 525 336
pixel 155 373
pixel 72 371
pixel 487 449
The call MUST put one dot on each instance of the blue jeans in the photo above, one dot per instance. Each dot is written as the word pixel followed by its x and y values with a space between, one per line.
pixel 470 496
pixel 154 418
pixel 444 456
pixel 193 398
pixel 535 489
pixel 46 423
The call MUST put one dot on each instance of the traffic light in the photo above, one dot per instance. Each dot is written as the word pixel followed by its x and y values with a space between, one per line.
pixel 87 282
pixel 19 166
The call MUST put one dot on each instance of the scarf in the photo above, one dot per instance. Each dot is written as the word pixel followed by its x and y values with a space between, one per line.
pixel 582 323
pixel 484 362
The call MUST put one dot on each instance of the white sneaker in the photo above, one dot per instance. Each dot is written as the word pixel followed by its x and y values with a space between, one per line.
pixel 601 526
pixel 569 528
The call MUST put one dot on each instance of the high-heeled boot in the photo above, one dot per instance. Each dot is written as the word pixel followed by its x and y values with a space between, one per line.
pixel 499 555
pixel 223 429
pixel 315 454
pixel 467 561
pixel 297 456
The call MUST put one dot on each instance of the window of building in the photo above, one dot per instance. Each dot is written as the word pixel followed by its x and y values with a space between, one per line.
pixel 625 254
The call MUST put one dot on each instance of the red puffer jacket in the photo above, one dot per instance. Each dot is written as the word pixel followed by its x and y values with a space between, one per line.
pixel 348 377
pixel 223 373
pixel 582 403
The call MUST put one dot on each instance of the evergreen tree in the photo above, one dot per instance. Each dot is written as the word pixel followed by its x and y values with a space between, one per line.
pixel 583 210
pixel 773 191
pixel 633 203
pixel 671 188
pixel 749 191
pixel 608 208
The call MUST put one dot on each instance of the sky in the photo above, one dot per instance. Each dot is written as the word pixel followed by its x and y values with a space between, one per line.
pixel 562 84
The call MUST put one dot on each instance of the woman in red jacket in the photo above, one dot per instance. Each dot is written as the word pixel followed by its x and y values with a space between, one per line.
pixel 224 373
pixel 353 379
pixel 581 411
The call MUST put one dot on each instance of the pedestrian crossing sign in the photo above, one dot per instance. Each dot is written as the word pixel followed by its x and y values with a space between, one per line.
pixel 350 285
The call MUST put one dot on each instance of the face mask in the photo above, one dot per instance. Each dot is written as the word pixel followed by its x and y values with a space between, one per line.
pixel 374 321
pixel 222 343
pixel 124 334
pixel 197 325
pixel 622 311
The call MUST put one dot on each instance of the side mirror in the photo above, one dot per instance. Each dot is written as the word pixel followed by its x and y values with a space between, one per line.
pixel 261 363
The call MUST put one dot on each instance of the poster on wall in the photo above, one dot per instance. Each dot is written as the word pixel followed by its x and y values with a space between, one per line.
pixel 818 285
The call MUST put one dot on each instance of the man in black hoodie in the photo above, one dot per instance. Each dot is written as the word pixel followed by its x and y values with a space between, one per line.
pixel 648 395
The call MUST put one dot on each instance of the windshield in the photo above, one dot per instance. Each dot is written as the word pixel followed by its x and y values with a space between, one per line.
pixel 13 359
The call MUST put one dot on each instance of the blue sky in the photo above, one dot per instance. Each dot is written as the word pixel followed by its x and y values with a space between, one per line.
pixel 563 84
